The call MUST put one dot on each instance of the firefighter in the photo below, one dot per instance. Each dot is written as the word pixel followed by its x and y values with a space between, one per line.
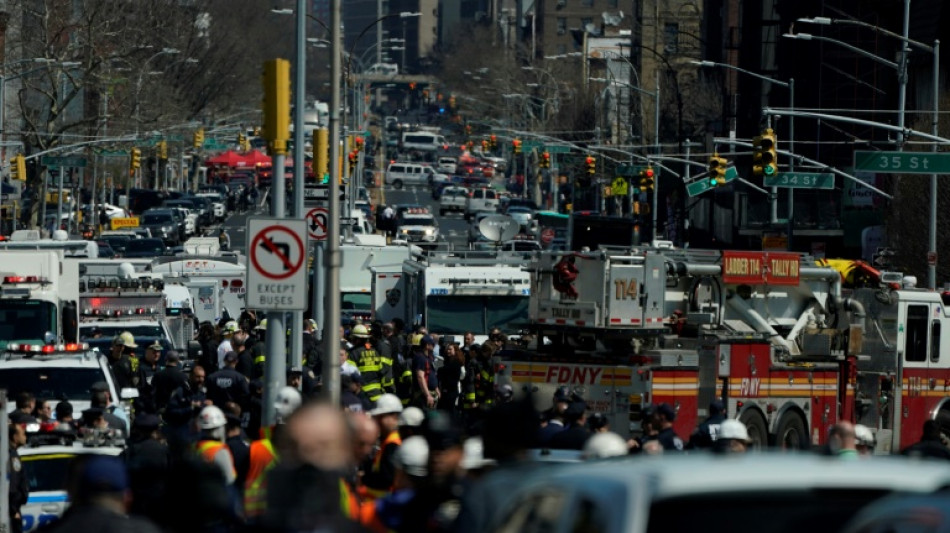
pixel 381 344
pixel 378 479
pixel 375 372
pixel 264 457
pixel 733 437
pixel 123 361
pixel 485 377
pixel 708 431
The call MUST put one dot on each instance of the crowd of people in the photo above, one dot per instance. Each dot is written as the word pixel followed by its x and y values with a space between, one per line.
pixel 422 440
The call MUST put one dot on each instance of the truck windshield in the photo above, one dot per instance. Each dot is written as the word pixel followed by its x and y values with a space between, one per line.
pixel 26 320
pixel 55 382
pixel 357 301
pixel 458 314
pixel 112 330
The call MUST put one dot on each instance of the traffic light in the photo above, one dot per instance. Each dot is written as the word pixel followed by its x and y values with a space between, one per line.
pixel 277 104
pixel 242 141
pixel 493 141
pixel 359 143
pixel 516 144
pixel 485 146
pixel 764 156
pixel 647 182
pixel 591 164
pixel 161 149
pixel 354 157
pixel 199 138
pixel 452 102
pixel 545 161
pixel 135 160
pixel 18 167
pixel 717 171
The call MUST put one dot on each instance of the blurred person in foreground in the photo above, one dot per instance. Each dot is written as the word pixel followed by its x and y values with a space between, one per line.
pixel 930 444
pixel 604 444
pixel 99 496
pixel 842 441
pixel 263 457
pixel 865 440
pixel 732 438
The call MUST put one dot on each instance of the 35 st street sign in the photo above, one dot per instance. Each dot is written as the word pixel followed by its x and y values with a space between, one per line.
pixel 902 162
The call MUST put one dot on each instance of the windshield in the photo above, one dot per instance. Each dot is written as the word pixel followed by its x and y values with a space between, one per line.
pixel 26 319
pixel 156 219
pixel 418 221
pixel 73 383
pixel 117 243
pixel 112 330
pixel 47 473
pixel 458 314
pixel 146 245
pixel 357 301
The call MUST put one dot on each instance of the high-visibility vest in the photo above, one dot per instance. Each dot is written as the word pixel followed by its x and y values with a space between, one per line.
pixel 372 493
pixel 349 505
pixel 207 449
pixel 263 459
pixel 369 519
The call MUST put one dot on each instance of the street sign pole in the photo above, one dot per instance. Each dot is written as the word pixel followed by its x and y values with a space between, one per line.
pixel 275 370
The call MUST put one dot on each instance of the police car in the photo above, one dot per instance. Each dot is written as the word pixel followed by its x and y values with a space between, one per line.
pixel 46 459
pixel 417 225
pixel 58 371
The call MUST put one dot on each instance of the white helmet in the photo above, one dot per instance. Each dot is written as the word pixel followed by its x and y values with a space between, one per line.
pixel 734 430
pixel 360 331
pixel 473 454
pixel 413 456
pixel 603 445
pixel 288 400
pixel 387 404
pixel 864 435
pixel 211 417
pixel 412 417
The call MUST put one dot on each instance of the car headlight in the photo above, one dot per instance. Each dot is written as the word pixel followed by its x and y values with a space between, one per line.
pixel 404 231
pixel 429 231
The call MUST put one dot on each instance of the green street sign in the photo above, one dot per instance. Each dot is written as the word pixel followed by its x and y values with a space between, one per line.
pixel 629 170
pixel 902 162
pixel 531 144
pixel 702 185
pixel 113 153
pixel 71 161
pixel 212 144
pixel 801 180
pixel 558 149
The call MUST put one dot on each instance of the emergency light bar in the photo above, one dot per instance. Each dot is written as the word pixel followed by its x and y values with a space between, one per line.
pixel 89 311
pixel 71 347
pixel 125 284
pixel 14 280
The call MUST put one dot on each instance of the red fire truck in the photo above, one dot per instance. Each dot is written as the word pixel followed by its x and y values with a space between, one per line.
pixel 779 339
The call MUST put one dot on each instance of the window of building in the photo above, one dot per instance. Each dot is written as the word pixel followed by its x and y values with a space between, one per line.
pixel 671 36
pixel 561 25
pixel 561 49
pixel 613 3
pixel 585 22
pixel 587 2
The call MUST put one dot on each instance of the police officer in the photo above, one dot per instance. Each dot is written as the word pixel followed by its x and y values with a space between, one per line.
pixel 665 416
pixel 123 361
pixel 376 373
pixel 148 367
pixel 229 385
pixel 19 482
pixel 708 431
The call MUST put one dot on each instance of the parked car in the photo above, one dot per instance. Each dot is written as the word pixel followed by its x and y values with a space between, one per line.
pixel 151 247
pixel 453 199
pixel 400 175
pixel 163 223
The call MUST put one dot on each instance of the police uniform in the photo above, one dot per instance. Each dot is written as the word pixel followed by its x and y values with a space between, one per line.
pixel 19 489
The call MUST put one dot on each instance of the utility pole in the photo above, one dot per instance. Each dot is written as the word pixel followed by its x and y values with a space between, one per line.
pixel 300 173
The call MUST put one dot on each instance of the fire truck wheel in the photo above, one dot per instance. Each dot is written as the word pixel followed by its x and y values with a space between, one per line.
pixel 758 431
pixel 791 434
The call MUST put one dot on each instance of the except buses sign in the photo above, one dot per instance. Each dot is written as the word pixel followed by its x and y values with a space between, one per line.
pixel 772 268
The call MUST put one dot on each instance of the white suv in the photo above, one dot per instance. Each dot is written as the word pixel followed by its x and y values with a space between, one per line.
pixel 401 174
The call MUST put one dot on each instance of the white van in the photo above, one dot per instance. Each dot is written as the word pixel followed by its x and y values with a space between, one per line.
pixel 401 174
pixel 422 140
pixel 484 199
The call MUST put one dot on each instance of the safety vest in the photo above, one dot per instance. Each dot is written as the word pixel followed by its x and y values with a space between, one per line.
pixel 393 439
pixel 207 449
pixel 263 459
pixel 349 505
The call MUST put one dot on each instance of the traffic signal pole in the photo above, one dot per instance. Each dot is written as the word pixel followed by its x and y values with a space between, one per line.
pixel 300 174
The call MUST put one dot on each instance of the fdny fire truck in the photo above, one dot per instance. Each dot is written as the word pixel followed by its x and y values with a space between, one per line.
pixel 779 339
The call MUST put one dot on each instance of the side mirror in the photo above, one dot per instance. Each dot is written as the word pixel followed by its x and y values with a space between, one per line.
pixel 129 393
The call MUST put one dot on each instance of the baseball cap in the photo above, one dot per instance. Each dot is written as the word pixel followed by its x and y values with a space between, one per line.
pixel 665 410
pixel 427 340
pixel 230 357
pixel 103 474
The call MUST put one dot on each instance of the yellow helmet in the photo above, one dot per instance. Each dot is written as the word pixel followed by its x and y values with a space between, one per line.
pixel 360 330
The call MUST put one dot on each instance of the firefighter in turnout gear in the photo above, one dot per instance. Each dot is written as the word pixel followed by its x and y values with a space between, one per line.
pixel 376 372
pixel 485 377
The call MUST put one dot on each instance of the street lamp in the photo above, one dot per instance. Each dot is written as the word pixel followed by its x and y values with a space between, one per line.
pixel 138 84
pixel 790 85
pixel 902 79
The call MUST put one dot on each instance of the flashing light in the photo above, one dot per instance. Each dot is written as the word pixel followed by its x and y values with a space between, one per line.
pixel 12 280
pixel 49 348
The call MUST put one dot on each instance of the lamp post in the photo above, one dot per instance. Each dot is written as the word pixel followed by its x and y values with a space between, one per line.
pixel 902 80
pixel 138 83
pixel 790 85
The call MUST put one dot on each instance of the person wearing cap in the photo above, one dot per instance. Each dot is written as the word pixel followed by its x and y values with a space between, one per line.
pixel 733 437
pixel 554 421
pixel 425 379
pixel 147 368
pixel 147 459
pixel 264 456
pixel 122 360
pixel 575 434
pixel 352 397
pixel 99 495
pixel 229 385
pixel 211 447
pixel 708 430
pixel 665 416
pixel 17 479
pixel 378 478
pixel 184 405
pixel 376 372
pixel 168 379
pixel 227 332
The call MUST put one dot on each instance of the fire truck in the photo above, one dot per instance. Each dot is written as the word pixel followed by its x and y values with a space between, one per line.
pixel 114 304
pixel 38 298
pixel 781 341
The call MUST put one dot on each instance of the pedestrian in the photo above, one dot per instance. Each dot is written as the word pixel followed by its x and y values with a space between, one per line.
pixel 147 459
pixel 17 479
pixel 245 364
pixel 865 440
pixel 25 405
pixel 209 347
pixel 930 445
pixel 211 447
pixel 575 435
pixel 425 378
pixel 224 240
pixel 147 368
pixel 352 397
pixel 603 445
pixel 312 357
pixel 99 496
pixel 554 420
pixel 43 412
pixel 410 422
pixel 123 362
pixel 263 457
pixel 168 379
pixel 450 378
pixel 258 350
pixel 411 470
pixel 378 478
pixel 100 399
pixel 184 405
pixel 238 444
pixel 64 417
pixel 229 385
pixel 485 376
pixel 665 416
pixel 708 430
pixel 733 437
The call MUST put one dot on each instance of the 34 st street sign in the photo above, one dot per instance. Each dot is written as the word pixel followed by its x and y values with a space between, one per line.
pixel 801 180
pixel 902 162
